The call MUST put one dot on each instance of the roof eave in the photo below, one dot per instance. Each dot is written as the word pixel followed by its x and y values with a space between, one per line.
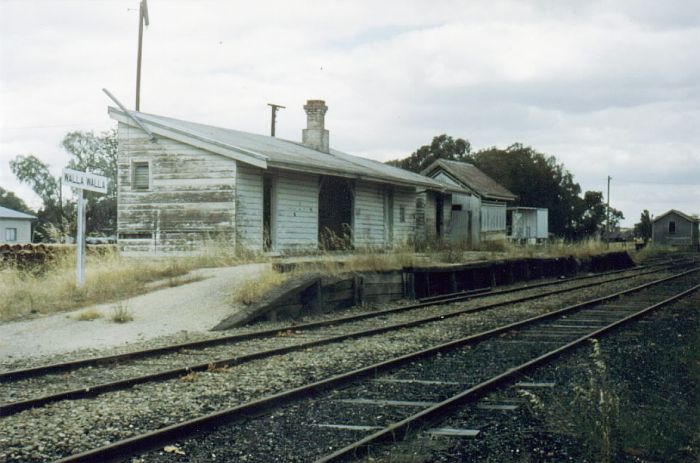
pixel 371 178
pixel 239 154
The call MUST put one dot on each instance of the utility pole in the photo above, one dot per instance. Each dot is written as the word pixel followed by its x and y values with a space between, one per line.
pixel 607 212
pixel 274 108
pixel 143 18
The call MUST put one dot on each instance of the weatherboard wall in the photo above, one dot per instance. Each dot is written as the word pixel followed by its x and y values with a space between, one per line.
pixel 683 233
pixel 190 199
pixel 493 221
pixel 249 207
pixel 404 230
pixel 22 227
pixel 368 221
pixel 296 215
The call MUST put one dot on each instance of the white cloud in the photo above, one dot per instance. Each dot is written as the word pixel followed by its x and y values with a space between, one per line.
pixel 609 87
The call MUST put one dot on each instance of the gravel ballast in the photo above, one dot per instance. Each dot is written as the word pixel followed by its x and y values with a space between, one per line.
pixel 631 396
pixel 69 427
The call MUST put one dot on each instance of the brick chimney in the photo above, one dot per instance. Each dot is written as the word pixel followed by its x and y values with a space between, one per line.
pixel 315 135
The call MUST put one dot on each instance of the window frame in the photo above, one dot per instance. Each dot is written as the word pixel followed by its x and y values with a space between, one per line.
pixel 7 234
pixel 141 163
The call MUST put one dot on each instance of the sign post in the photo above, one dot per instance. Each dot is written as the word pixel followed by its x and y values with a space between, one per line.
pixel 82 181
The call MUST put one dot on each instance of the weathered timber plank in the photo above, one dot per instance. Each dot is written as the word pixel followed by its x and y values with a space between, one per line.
pixel 270 301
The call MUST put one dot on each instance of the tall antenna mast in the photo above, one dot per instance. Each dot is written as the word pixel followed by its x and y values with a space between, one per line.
pixel 143 18
pixel 274 108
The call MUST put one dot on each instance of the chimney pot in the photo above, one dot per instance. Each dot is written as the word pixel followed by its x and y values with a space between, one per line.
pixel 315 134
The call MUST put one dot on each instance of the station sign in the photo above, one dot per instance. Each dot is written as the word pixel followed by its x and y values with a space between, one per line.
pixel 82 181
pixel 85 181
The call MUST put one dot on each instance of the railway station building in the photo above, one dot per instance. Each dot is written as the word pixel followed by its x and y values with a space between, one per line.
pixel 182 183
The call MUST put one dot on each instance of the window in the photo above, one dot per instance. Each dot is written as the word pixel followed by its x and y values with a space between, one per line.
pixel 402 214
pixel 140 176
pixel 671 227
pixel 10 234
pixel 456 207
pixel 136 236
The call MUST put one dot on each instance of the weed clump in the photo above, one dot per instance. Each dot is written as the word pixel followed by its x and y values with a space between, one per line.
pixel 121 313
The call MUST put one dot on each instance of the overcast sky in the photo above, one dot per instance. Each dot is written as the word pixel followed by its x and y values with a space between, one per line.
pixel 608 87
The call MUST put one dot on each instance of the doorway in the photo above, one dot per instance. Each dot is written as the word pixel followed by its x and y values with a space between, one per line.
pixel 268 214
pixel 335 206
pixel 439 214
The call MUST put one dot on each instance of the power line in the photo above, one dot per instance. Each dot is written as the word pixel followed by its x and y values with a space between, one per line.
pixel 651 182
pixel 22 127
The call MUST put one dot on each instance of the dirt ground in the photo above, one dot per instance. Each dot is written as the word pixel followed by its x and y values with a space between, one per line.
pixel 196 306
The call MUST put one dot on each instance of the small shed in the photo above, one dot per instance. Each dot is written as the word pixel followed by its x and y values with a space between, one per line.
pixel 527 225
pixel 15 226
pixel 677 229
pixel 479 213
pixel 190 183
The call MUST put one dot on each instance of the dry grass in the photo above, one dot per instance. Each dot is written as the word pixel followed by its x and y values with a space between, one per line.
pixel 377 260
pixel 88 315
pixel 212 368
pixel 252 290
pixel 560 248
pixel 371 262
pixel 190 377
pixel 121 313
pixel 109 277
pixel 649 252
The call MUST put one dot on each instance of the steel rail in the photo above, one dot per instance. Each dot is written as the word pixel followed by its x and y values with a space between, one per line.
pixel 401 429
pixel 14 375
pixel 11 408
pixel 159 437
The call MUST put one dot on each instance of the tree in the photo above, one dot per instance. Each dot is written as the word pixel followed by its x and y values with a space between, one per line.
pixel 10 200
pixel 34 172
pixel 442 147
pixel 96 154
pixel 643 228
pixel 90 153
pixel 538 181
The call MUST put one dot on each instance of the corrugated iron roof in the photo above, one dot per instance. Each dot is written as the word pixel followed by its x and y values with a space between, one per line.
pixel 470 176
pixel 6 213
pixel 286 154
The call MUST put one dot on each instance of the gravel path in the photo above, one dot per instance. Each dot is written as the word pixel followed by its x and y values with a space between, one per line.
pixel 195 306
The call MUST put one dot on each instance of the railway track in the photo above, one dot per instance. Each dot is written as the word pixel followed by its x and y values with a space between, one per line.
pixel 313 414
pixel 441 299
pixel 91 377
pixel 631 385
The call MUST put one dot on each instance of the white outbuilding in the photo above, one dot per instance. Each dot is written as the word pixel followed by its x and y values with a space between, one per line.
pixel 15 226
